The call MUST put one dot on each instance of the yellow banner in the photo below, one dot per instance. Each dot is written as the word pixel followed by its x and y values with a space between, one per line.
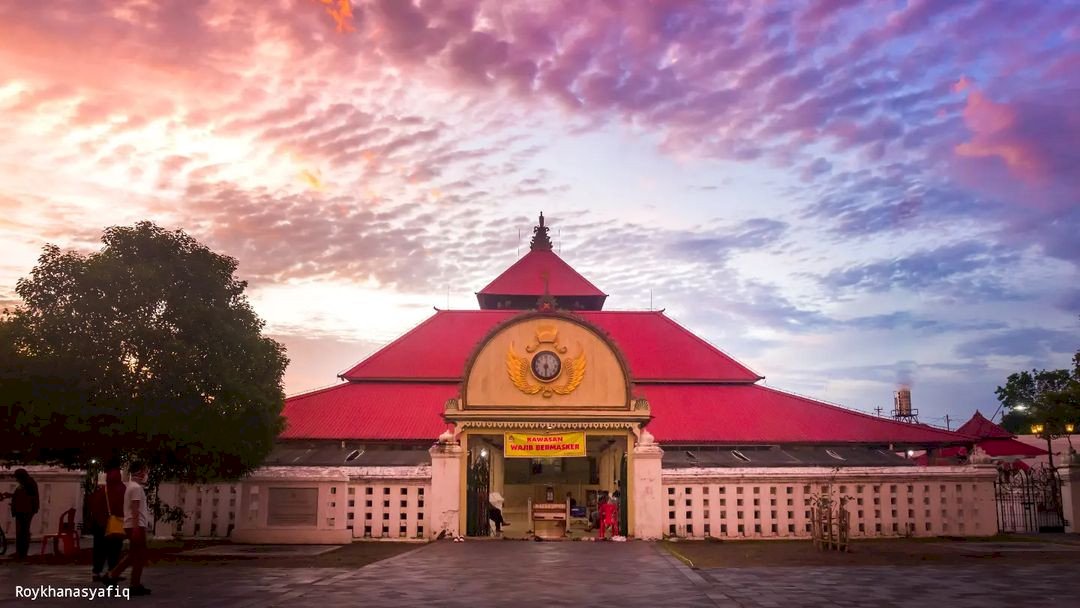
pixel 548 445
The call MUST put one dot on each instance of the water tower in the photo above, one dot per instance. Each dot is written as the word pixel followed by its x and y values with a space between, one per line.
pixel 902 410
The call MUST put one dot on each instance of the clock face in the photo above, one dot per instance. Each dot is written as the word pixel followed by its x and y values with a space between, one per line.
pixel 546 365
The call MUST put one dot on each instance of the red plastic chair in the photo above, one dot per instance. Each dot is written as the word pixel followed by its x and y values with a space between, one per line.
pixel 66 536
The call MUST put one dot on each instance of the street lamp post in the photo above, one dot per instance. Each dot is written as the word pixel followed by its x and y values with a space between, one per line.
pixel 1040 429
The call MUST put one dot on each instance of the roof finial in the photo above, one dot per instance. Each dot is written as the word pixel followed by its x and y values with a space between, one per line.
pixel 540 238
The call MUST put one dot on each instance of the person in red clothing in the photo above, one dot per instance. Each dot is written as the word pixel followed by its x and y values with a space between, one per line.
pixel 608 518
pixel 107 500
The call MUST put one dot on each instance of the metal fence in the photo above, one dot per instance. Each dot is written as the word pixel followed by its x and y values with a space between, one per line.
pixel 1029 500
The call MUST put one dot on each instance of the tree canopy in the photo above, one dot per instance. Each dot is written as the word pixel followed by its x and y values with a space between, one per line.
pixel 147 348
pixel 1050 398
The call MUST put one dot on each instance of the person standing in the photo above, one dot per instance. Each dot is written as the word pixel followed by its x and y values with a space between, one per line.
pixel 106 502
pixel 495 507
pixel 136 521
pixel 607 518
pixel 25 503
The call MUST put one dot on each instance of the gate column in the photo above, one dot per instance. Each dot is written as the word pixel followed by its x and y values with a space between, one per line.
pixel 648 489
pixel 446 464
pixel 1070 496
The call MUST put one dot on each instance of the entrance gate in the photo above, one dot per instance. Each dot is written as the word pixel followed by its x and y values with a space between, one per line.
pixel 1029 500
pixel 478 485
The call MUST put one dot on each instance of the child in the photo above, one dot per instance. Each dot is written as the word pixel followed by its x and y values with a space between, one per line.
pixel 608 518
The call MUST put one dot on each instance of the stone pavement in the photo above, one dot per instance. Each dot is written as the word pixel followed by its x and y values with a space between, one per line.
pixel 522 574
pixel 947 586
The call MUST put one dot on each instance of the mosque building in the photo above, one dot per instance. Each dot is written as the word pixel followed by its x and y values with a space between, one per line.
pixel 542 398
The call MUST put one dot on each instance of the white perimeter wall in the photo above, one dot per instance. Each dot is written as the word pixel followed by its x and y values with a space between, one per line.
pixel 775 502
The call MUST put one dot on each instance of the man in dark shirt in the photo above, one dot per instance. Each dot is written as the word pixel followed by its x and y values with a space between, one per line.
pixel 24 505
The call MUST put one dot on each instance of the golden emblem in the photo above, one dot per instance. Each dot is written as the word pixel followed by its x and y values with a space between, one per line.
pixel 545 366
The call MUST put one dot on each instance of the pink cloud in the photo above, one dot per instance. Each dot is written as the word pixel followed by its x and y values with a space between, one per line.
pixel 1032 140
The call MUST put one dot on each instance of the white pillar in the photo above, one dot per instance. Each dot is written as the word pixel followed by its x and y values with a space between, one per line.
pixel 648 489
pixel 446 464
pixel 1070 496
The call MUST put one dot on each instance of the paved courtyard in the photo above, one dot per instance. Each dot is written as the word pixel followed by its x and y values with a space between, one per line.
pixel 571 574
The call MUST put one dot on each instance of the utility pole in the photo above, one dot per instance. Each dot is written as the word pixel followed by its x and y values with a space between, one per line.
pixel 947 426
pixel 878 410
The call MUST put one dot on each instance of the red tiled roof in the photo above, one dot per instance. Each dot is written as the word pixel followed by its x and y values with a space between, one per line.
pixel 525 277
pixel 982 428
pixel 657 349
pixel 1010 447
pixel 373 411
pixel 682 413
pixel 750 413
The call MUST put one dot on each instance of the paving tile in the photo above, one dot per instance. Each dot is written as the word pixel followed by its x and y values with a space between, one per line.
pixel 581 574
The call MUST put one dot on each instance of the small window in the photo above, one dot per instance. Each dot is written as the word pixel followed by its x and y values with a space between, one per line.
pixel 834 455
pixel 353 455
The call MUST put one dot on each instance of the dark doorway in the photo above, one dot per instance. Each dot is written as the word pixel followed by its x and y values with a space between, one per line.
pixel 479 484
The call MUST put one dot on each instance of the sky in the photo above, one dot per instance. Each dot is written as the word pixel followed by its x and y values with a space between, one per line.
pixel 843 196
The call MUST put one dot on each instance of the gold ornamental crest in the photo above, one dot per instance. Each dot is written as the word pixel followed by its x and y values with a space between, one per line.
pixel 546 365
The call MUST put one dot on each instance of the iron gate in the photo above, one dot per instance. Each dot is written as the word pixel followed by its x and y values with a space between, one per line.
pixel 479 483
pixel 1029 500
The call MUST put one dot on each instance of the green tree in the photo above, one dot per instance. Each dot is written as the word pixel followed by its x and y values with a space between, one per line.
pixel 145 349
pixel 1042 402
pixel 1025 397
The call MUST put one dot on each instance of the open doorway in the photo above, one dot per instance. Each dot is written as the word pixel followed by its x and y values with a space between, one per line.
pixel 512 483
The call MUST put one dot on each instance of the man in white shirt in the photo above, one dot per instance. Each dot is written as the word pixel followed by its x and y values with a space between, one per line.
pixel 495 505
pixel 136 520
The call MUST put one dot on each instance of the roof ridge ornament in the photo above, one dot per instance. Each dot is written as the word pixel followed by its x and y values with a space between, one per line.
pixel 540 240
pixel 547 302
